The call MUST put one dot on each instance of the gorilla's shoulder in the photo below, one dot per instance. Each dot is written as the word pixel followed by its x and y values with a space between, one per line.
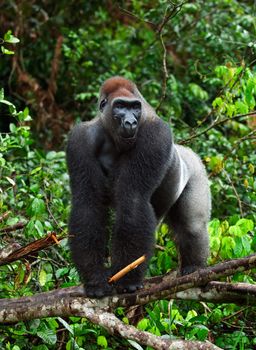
pixel 86 132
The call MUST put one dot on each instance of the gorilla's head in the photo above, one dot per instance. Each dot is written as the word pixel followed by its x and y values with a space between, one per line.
pixel 121 110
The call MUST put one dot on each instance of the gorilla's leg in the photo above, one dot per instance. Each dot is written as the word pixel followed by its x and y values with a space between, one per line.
pixel 132 238
pixel 189 218
pixel 87 240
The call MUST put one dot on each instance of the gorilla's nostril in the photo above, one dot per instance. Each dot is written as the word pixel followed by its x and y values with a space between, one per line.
pixel 127 125
pixel 134 125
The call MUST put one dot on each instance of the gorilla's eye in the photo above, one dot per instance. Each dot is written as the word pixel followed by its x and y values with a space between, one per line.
pixel 103 104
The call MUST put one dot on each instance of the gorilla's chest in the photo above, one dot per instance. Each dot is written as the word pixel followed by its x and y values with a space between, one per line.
pixel 107 157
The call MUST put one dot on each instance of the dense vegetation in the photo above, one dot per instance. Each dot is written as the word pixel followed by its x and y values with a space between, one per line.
pixel 195 63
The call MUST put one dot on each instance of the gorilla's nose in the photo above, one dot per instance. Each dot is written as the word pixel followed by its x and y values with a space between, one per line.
pixel 130 126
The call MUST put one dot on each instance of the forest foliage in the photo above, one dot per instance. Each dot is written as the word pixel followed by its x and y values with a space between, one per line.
pixel 195 63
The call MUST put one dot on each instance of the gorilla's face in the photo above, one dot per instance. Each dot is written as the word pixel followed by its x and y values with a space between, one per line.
pixel 121 111
pixel 126 113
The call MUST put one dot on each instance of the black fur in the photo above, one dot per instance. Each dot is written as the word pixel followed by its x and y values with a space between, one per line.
pixel 144 177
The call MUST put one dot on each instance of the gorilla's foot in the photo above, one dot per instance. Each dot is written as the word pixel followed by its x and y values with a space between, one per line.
pixel 186 270
pixel 98 290
pixel 97 286
pixel 128 287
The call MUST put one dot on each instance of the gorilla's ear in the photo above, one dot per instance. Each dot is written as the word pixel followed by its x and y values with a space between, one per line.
pixel 103 104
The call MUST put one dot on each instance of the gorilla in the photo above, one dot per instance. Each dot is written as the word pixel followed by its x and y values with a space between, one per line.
pixel 125 162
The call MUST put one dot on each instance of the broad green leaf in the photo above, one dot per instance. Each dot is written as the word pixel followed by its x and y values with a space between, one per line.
pixel 245 225
pixel 13 127
pixel 191 314
pixel 241 107
pixel 37 207
pixel 102 341
pixel 9 38
pixel 48 336
pixel 228 243
pixel 235 231
pixel 143 324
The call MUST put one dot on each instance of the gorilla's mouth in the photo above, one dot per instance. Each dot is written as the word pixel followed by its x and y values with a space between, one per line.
pixel 128 137
pixel 128 134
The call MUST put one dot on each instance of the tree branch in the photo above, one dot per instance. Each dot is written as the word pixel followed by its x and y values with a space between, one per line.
pixel 196 286
pixel 243 293
pixel 217 122
pixel 198 278
pixel 94 311
pixel 114 326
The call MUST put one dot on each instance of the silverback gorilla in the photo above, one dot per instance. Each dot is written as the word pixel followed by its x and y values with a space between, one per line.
pixel 126 159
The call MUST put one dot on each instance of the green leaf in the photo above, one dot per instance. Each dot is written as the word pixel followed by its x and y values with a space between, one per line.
pixel 164 229
pixel 42 277
pixel 143 324
pixel 218 102
pixel 6 52
pixel 246 225
pixel 26 112
pixel 238 248
pixel 235 231
pixel 48 336
pixel 197 91
pixel 102 341
pixel 246 242
pixel 51 155
pixel 37 207
pixel 66 325
pixel 241 107
pixel 228 244
pixel 11 181
pixel 12 127
pixel 52 323
pixel 191 314
pixel 39 227
pixel 9 38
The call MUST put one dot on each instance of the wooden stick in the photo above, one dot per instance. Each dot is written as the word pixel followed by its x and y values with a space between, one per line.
pixel 127 269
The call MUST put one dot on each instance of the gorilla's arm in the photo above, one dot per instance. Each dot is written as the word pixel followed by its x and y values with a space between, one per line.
pixel 88 218
pixel 141 170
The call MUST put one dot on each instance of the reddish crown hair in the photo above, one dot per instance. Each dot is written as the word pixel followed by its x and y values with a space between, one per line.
pixel 118 86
